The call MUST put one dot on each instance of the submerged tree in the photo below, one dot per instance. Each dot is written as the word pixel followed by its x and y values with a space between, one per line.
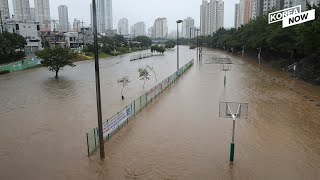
pixel 56 58
pixel 153 71
pixel 124 81
pixel 144 75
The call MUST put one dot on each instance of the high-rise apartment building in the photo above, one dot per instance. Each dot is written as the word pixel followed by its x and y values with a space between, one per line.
pixel 291 3
pixel 150 32
pixel 104 16
pixel 187 24
pixel 21 10
pixel 211 16
pixel 257 8
pixel 237 16
pixel 32 14
pixel 272 5
pixel 42 9
pixel 63 18
pixel 247 10
pixel 76 25
pixel 123 26
pixel 220 14
pixel 138 29
pixel 160 28
pixel 4 8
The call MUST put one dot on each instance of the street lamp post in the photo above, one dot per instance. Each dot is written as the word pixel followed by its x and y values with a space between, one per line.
pixel 198 44
pixel 97 74
pixel 178 22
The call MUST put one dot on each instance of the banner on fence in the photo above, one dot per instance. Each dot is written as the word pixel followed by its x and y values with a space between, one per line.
pixel 165 83
pixel 154 91
pixel 117 120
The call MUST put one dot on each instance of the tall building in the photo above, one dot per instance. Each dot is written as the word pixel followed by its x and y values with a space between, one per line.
pixel 247 12
pixel 138 29
pixel 150 32
pixel 33 14
pixel 4 8
pixel 220 14
pixel 42 9
pixel 272 5
pixel 187 24
pixel 123 26
pixel 63 18
pixel 237 16
pixel 76 25
pixel 160 28
pixel 104 16
pixel 21 9
pixel 291 3
pixel 211 16
pixel 204 18
pixel 257 8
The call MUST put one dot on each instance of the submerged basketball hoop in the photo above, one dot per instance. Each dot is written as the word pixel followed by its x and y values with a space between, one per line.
pixel 225 68
pixel 233 110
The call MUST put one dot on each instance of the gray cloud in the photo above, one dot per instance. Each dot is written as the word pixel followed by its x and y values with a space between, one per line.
pixel 141 10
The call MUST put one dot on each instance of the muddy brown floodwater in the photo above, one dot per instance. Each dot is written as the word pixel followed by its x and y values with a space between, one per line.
pixel 179 136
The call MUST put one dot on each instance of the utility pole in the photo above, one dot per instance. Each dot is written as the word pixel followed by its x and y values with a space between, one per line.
pixel 54 31
pixel 83 32
pixel 78 34
pixel 198 45
pixel 1 21
pixel 97 74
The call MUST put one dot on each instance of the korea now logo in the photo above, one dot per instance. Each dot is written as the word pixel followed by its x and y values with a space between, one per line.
pixel 291 16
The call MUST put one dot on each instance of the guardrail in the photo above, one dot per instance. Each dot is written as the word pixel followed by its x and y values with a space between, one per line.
pixel 113 124
pixel 140 56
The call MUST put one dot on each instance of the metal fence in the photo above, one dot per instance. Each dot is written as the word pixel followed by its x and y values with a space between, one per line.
pixel 21 65
pixel 140 56
pixel 112 125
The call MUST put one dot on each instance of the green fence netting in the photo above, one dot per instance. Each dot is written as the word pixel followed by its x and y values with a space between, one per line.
pixel 21 65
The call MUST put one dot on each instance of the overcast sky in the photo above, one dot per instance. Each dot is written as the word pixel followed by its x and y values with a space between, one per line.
pixel 141 10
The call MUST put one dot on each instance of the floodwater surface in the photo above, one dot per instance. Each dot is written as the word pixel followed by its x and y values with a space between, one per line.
pixel 179 136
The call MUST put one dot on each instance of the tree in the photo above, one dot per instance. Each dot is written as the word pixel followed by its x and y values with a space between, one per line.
pixel 11 47
pixel 154 72
pixel 159 49
pixel 56 58
pixel 144 40
pixel 124 81
pixel 170 44
pixel 144 75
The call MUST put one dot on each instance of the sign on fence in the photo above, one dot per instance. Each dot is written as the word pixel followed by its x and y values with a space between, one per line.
pixel 165 83
pixel 154 91
pixel 117 120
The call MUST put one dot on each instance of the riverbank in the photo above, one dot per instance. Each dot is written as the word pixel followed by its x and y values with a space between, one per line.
pixel 34 62
pixel 307 67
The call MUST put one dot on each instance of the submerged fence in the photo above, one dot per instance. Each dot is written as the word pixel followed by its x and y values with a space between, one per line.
pixel 110 126
pixel 21 65
pixel 140 56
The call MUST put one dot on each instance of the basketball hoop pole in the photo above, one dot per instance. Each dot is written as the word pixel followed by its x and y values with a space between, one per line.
pixel 234 116
pixel 225 78
pixel 232 141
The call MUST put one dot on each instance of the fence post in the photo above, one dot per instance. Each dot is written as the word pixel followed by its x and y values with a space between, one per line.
pixel 140 104
pixel 95 140
pixel 88 144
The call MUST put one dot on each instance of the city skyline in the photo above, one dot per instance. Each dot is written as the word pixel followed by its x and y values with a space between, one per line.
pixel 124 9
